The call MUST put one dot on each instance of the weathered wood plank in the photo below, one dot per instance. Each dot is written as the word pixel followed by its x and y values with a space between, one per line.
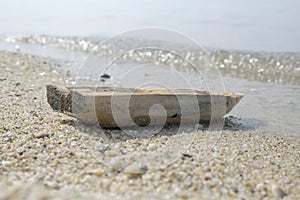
pixel 56 96
pixel 113 107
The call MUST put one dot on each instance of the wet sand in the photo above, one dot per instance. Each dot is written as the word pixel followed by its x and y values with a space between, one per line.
pixel 44 156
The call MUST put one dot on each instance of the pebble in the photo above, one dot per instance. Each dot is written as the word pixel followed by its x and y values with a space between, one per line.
pixel 8 163
pixel 116 163
pixel 2 78
pixel 103 77
pixel 260 186
pixel 20 150
pixel 41 135
pixel 2 128
pixel 278 191
pixel 51 184
pixel 18 94
pixel 212 183
pixel 207 176
pixel 134 171
pixel 96 172
pixel 110 153
pixel 152 147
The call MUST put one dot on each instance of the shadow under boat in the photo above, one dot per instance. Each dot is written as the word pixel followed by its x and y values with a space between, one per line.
pixel 230 123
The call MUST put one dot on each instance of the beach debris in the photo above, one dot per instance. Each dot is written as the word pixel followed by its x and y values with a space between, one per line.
pixel 94 104
pixel 104 77
pixel 187 155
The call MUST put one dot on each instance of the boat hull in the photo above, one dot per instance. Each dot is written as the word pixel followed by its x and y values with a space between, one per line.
pixel 121 107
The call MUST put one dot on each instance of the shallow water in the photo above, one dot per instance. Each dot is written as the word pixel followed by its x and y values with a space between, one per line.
pixel 272 90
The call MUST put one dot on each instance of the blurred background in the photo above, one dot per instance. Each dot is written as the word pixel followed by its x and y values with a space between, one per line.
pixel 260 25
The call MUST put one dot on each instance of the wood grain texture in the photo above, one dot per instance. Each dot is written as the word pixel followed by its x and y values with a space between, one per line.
pixel 116 107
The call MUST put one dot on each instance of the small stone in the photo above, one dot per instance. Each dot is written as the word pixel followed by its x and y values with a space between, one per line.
pixel 235 190
pixel 223 190
pixel 116 164
pixel 51 184
pixel 152 147
pixel 18 94
pixel 260 186
pixel 2 78
pixel 199 127
pixel 278 191
pixel 212 183
pixel 96 172
pixel 42 73
pixel 2 128
pixel 20 150
pixel 8 163
pixel 118 136
pixel 103 77
pixel 240 152
pixel 184 196
pixel 187 155
pixel 207 176
pixel 249 184
pixel 110 153
pixel 134 171
pixel 41 135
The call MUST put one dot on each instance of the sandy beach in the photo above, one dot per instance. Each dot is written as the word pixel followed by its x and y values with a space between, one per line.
pixel 44 156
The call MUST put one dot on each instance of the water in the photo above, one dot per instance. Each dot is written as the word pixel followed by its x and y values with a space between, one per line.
pixel 261 25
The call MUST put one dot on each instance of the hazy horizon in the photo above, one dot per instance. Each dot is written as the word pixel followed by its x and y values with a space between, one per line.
pixel 253 25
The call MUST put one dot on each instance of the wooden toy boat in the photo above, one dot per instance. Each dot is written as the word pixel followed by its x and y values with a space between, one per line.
pixel 117 107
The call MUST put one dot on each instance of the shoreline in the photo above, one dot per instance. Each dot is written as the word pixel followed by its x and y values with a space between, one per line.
pixel 44 155
pixel 267 67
